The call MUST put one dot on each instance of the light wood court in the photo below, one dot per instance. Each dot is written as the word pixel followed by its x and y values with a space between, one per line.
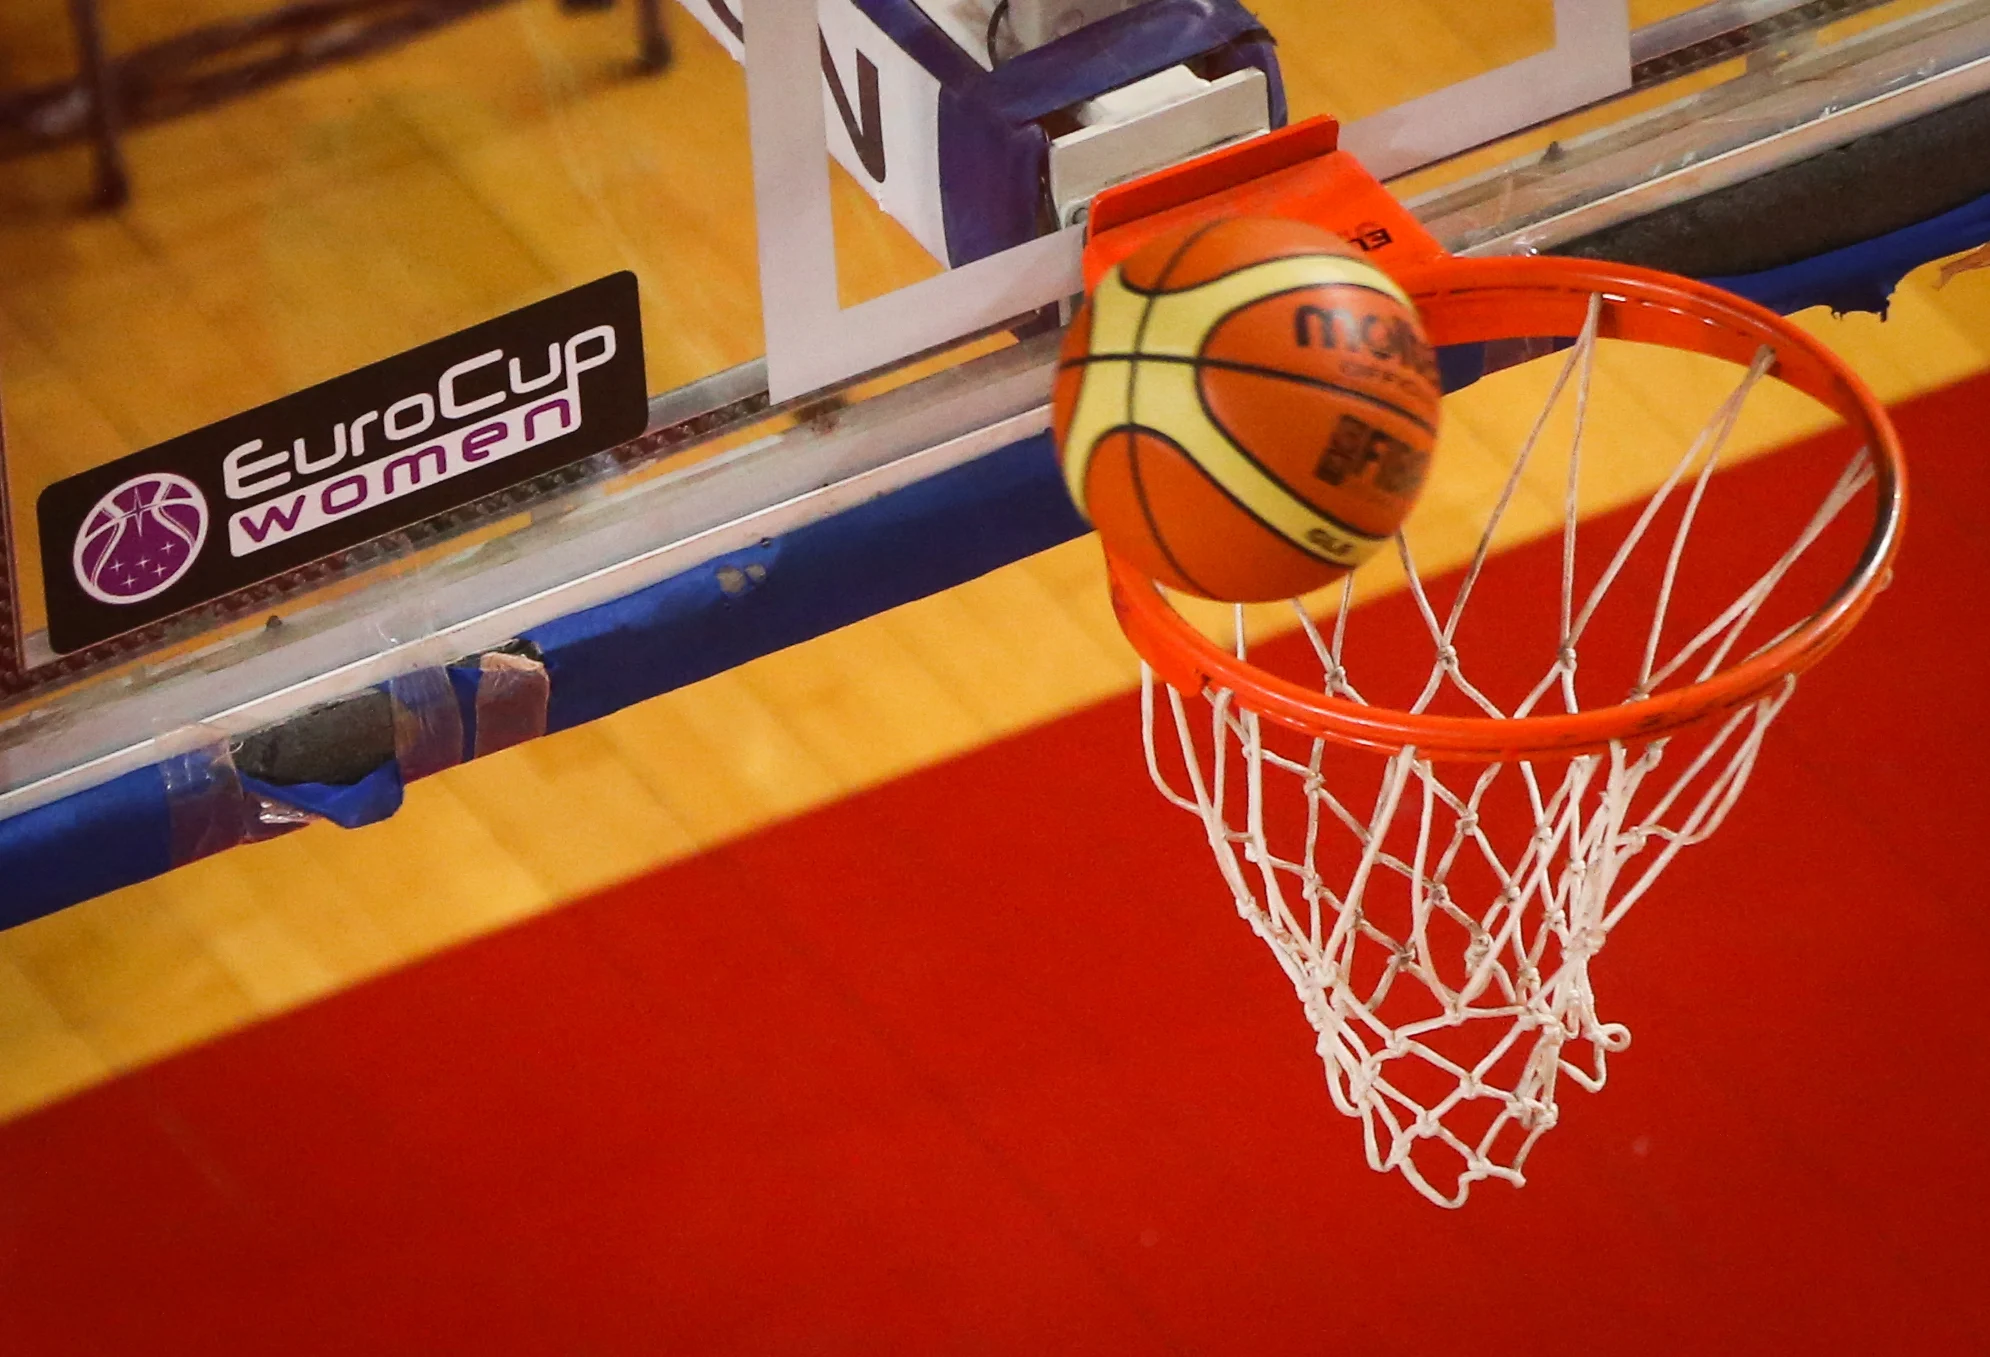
pixel 325 223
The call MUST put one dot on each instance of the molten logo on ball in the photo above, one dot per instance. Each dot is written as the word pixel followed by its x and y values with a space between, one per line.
pixel 140 538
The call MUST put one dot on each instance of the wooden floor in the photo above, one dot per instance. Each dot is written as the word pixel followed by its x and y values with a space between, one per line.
pixel 334 220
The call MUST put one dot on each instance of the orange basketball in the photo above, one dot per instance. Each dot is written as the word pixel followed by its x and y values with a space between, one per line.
pixel 1245 408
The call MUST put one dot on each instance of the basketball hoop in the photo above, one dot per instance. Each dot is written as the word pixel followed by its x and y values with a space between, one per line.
pixel 1436 883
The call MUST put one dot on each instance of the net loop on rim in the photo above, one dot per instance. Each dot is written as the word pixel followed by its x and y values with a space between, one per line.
pixel 1436 887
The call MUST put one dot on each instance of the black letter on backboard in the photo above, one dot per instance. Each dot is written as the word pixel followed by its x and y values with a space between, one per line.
pixel 728 18
pixel 867 132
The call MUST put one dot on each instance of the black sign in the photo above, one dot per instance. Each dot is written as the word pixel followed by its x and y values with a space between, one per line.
pixel 318 472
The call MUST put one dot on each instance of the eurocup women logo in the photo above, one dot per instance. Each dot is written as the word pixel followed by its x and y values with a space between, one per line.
pixel 140 538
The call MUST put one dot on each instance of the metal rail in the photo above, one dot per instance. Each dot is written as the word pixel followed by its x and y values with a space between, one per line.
pixel 570 557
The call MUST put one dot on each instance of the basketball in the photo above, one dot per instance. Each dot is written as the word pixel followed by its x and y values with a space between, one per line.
pixel 1245 408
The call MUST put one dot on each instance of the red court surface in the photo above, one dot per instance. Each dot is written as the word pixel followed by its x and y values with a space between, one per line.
pixel 983 1061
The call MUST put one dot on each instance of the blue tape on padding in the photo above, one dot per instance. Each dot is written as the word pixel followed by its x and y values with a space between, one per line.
pixel 84 845
pixel 371 799
pixel 1862 277
pixel 903 546
pixel 464 680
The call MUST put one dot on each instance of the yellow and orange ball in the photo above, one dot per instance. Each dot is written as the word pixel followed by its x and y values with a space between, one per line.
pixel 1246 408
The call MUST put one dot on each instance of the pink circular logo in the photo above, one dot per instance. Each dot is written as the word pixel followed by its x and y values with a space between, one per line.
pixel 140 538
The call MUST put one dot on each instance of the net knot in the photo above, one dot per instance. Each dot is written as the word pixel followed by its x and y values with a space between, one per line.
pixel 1447 658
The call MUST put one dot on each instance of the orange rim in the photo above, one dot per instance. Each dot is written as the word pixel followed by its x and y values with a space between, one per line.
pixel 1475 300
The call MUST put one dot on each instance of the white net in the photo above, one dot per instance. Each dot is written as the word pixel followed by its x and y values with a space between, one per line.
pixel 1440 920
